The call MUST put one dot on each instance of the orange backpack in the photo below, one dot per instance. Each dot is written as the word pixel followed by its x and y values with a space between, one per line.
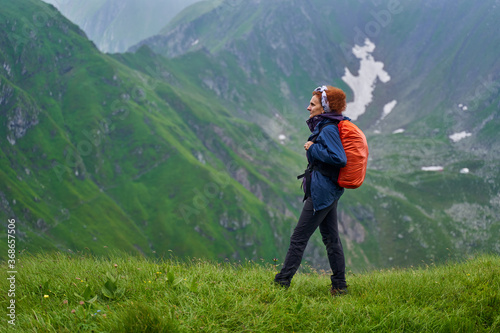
pixel 356 151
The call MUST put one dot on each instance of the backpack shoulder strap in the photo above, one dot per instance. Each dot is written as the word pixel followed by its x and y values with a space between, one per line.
pixel 334 122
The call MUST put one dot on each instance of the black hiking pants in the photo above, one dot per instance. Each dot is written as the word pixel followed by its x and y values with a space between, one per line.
pixel 326 219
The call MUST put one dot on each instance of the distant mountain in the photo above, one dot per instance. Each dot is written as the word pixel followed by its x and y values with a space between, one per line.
pixel 439 58
pixel 115 25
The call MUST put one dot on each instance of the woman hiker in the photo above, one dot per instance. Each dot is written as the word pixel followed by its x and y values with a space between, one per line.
pixel 326 156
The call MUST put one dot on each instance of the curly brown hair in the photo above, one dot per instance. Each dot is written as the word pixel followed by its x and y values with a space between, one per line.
pixel 336 98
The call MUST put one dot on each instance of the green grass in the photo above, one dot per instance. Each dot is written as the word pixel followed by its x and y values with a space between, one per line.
pixel 61 292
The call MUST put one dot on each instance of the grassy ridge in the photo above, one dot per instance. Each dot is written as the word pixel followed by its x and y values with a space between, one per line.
pixel 122 293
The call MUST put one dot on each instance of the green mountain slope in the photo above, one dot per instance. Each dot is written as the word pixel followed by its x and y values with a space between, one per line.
pixel 99 155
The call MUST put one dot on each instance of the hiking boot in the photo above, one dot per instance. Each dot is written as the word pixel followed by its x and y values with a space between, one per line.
pixel 284 284
pixel 338 291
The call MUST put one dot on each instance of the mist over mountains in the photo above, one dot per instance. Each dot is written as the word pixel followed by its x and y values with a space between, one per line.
pixel 115 25
pixel 192 140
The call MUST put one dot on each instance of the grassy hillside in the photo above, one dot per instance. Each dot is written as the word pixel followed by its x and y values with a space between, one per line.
pixel 98 154
pixel 68 293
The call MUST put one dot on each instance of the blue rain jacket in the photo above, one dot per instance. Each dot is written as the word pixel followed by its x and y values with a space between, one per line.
pixel 327 149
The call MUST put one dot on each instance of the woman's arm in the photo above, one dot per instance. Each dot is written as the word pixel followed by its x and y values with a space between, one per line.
pixel 328 148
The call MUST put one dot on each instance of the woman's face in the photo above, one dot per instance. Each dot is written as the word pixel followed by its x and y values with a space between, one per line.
pixel 315 107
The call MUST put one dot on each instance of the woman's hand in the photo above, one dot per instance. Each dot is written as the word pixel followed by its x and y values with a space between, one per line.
pixel 308 144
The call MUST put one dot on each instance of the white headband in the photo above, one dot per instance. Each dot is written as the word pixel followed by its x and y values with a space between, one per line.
pixel 324 100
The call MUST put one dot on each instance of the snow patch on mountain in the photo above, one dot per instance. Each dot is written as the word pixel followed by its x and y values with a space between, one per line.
pixel 433 168
pixel 364 84
pixel 388 108
pixel 459 136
